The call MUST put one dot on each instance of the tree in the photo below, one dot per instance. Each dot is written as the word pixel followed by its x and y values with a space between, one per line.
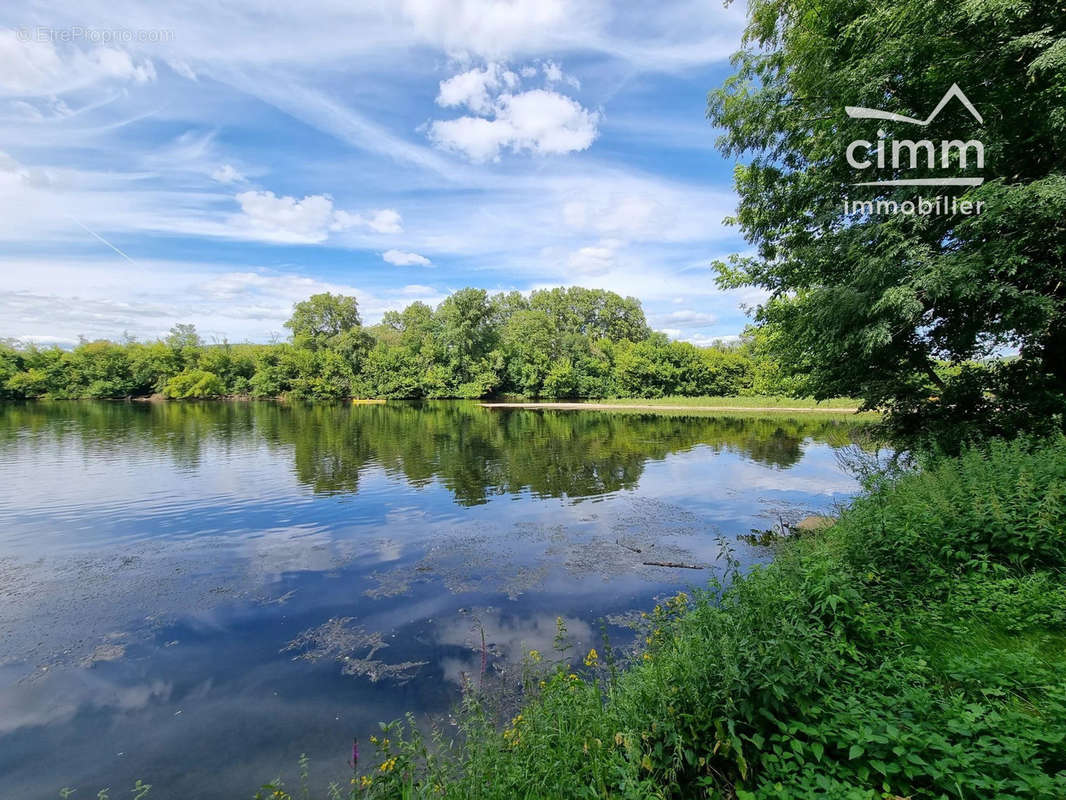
pixel 183 335
pixel 596 313
pixel 323 320
pixel 466 339
pixel 194 383
pixel 955 324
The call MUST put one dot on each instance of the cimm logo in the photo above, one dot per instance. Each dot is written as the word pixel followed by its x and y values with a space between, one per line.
pixel 903 154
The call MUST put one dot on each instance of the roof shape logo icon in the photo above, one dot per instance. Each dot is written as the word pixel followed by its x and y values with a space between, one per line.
pixel 954 93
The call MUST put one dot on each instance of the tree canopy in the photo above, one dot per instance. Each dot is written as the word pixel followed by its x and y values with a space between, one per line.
pixel 555 343
pixel 956 324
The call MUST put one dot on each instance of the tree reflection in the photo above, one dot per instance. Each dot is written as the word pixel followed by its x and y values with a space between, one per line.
pixel 473 451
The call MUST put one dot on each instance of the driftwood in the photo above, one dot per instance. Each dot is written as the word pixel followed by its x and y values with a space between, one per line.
pixel 676 564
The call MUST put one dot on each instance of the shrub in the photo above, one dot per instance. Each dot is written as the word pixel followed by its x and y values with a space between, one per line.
pixel 194 383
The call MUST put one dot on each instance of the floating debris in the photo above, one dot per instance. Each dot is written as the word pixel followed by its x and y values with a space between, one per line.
pixel 335 638
pixel 338 639
pixel 103 652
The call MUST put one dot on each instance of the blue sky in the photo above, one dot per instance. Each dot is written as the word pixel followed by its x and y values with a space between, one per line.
pixel 188 162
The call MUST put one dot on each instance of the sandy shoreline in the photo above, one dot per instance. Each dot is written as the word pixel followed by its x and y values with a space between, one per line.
pixel 652 407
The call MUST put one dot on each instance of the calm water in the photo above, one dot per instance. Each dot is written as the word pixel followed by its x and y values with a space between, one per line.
pixel 195 594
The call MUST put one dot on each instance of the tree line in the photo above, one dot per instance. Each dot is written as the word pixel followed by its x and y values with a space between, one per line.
pixel 554 343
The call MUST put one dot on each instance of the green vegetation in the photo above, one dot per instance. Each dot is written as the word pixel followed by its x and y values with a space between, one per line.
pixel 914 649
pixel 558 343
pixel 911 313
pixel 746 401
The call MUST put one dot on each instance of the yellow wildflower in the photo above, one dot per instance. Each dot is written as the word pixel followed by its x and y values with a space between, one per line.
pixel 534 656
pixel 592 658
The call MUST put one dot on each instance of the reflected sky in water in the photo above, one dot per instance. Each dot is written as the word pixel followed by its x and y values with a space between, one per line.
pixel 156 560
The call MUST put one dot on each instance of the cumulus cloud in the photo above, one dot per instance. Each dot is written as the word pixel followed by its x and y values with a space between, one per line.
pixel 475 87
pixel 310 220
pixel 385 220
pixel 402 258
pixel 535 120
pixel 227 174
pixel 538 121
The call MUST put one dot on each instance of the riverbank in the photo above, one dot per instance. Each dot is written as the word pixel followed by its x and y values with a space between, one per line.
pixel 913 649
pixel 640 405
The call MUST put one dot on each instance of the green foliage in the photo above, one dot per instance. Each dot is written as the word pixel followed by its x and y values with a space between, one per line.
pixel 914 649
pixel 877 305
pixel 194 383
pixel 323 320
pixel 557 343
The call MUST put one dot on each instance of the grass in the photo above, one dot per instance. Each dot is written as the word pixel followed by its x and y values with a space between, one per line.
pixel 913 650
pixel 762 406
pixel 754 401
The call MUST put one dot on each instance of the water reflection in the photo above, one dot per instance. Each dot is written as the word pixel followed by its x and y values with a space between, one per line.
pixel 195 594
pixel 474 452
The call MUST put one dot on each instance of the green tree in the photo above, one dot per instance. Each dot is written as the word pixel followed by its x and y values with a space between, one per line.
pixel 324 320
pixel 595 313
pixel 466 342
pixel 194 383
pixel 875 305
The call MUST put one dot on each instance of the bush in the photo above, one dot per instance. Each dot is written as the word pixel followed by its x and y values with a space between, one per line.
pixel 194 383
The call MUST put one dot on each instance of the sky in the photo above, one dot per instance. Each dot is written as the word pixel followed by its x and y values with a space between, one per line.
pixel 213 163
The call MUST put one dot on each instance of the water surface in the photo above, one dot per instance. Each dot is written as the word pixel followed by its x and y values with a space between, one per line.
pixel 196 594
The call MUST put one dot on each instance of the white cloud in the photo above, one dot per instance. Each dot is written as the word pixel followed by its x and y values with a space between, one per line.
pixel 474 88
pixel 495 27
pixel 686 318
pixel 227 174
pixel 401 258
pixel 417 290
pixel 54 304
pixel 385 220
pixel 38 68
pixel 702 340
pixel 106 154
pixel 288 219
pixel 596 259
pixel 553 73
pixel 539 121
pixel 310 220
